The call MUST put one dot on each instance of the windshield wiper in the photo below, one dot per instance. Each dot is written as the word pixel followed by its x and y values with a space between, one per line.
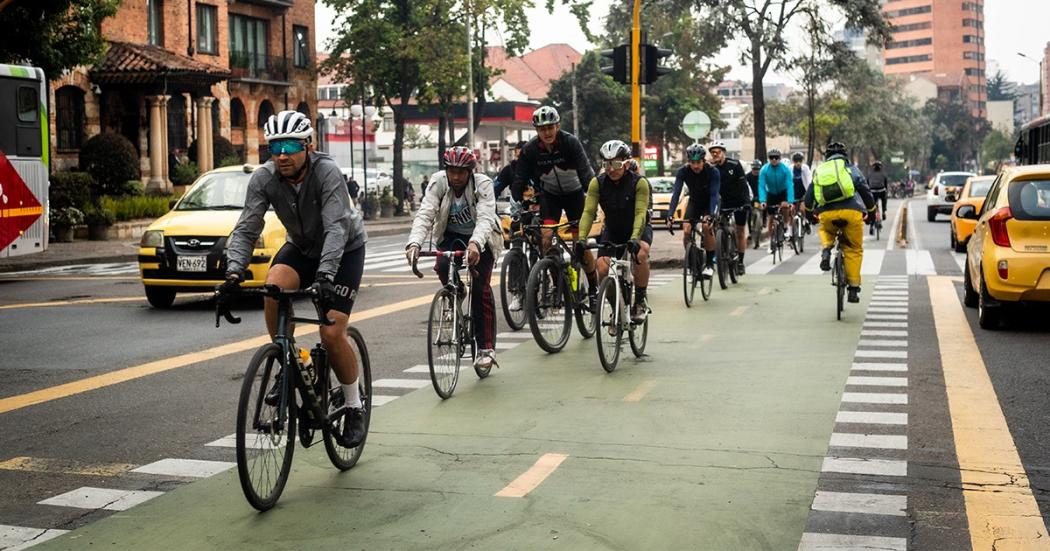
pixel 225 207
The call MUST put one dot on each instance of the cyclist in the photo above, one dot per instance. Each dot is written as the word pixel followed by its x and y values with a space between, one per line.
pixel 735 193
pixel 506 176
pixel 325 246
pixel 878 183
pixel 802 177
pixel 752 181
pixel 775 187
pixel 624 198
pixel 703 181
pixel 557 164
pixel 839 192
pixel 459 210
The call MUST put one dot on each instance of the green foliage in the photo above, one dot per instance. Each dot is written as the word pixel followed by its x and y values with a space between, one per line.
pixel 999 88
pixel 599 97
pixel 998 147
pixel 132 208
pixel 54 35
pixel 221 149
pixel 69 189
pixel 957 135
pixel 65 217
pixel 184 174
pixel 415 139
pixel 232 160
pixel 99 215
pixel 112 161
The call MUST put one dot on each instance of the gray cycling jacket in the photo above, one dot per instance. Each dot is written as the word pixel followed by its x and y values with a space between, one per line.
pixel 320 220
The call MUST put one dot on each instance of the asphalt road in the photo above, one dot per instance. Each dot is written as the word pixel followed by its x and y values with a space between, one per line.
pixel 63 327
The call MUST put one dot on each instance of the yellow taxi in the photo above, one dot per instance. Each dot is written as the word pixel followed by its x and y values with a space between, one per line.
pixel 185 250
pixel 1008 256
pixel 970 201
pixel 662 186
pixel 565 233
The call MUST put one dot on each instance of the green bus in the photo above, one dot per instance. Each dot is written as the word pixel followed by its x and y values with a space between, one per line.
pixel 24 160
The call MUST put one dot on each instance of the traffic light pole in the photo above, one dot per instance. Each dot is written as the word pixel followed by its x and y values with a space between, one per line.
pixel 636 95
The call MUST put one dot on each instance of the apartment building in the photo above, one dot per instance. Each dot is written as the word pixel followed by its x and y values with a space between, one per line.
pixel 942 39
pixel 177 71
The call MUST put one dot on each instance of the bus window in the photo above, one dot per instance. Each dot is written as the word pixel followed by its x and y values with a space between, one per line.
pixel 28 103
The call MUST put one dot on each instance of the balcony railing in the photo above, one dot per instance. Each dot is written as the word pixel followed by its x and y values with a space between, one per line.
pixel 249 65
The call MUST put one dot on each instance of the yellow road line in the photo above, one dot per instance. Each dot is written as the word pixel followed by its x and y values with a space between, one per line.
pixel 127 374
pixel 71 302
pixel 640 391
pixel 1000 507
pixel 64 466
pixel 530 479
pixel 65 278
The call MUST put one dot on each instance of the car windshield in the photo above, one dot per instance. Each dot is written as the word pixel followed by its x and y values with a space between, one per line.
pixel 1030 200
pixel 661 185
pixel 979 188
pixel 954 179
pixel 217 191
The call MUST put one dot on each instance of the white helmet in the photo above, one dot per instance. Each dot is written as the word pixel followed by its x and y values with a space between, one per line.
pixel 614 149
pixel 545 116
pixel 719 144
pixel 288 125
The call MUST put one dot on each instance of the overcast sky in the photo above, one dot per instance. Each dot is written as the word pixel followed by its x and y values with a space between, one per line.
pixel 1011 26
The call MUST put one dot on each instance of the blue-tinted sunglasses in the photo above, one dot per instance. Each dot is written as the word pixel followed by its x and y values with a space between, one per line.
pixel 289 147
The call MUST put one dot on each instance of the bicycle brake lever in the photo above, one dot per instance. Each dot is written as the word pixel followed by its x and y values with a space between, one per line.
pixel 415 270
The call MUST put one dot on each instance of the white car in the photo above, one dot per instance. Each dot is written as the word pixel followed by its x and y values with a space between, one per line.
pixel 377 179
pixel 943 192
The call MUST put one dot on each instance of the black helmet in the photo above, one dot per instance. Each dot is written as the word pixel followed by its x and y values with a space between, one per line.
pixel 695 152
pixel 835 148
pixel 773 153
pixel 798 157
pixel 756 164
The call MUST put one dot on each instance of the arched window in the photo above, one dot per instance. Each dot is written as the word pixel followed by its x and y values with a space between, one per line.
pixel 304 109
pixel 237 116
pixel 69 117
pixel 265 110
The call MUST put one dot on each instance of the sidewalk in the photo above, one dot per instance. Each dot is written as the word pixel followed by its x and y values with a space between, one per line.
pixel 126 250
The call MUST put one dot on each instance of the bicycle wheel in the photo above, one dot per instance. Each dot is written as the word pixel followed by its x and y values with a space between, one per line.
pixel 720 265
pixel 639 335
pixel 443 352
pixel 840 285
pixel 707 283
pixel 345 458
pixel 878 231
pixel 512 277
pixel 581 307
pixel 755 228
pixel 800 235
pixel 265 440
pixel 731 255
pixel 548 304
pixel 689 276
pixel 609 331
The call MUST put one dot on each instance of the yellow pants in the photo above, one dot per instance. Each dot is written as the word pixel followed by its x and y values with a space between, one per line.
pixel 852 246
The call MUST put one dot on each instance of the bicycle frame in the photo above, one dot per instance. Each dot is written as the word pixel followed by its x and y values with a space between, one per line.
pixel 621 272
pixel 460 289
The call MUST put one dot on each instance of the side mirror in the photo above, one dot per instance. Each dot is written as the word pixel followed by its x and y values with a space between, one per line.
pixel 967 212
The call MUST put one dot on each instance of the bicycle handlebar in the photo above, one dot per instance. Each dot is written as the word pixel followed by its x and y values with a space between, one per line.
pixel 222 309
pixel 446 254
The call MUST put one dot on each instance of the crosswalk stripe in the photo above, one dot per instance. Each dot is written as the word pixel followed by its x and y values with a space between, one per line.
pixel 514 335
pixel 194 468
pixel 883 343
pixel 810 267
pixel 878 366
pixel 872 263
pixel 875 398
pixel 919 262
pixel 877 381
pixel 872 504
pixel 885 324
pixel 960 260
pixel 867 333
pixel 765 264
pixel 902 317
pixel 501 345
pixel 882 354
pixel 101 498
pixel 380 399
pixel 401 383
pixel 16 538
pixel 871 418
pixel 881 441
pixel 856 465
pixel 830 542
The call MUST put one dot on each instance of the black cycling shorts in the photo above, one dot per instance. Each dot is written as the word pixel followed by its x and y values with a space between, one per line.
pixel 741 214
pixel 693 211
pixel 551 206
pixel 347 279
pixel 773 201
pixel 800 191
pixel 610 250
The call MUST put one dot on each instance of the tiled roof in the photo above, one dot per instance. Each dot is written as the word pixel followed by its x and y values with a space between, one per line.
pixel 128 63
pixel 533 72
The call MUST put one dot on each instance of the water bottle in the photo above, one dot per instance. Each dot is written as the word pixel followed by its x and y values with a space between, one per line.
pixel 573 278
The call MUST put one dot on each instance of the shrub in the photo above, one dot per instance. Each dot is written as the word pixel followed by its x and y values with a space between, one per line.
pixel 230 161
pixel 66 217
pixel 70 189
pixel 133 187
pixel 184 174
pixel 98 215
pixel 131 208
pixel 221 149
pixel 111 160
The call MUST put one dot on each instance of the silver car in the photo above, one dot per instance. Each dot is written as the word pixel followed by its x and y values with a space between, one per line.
pixel 943 192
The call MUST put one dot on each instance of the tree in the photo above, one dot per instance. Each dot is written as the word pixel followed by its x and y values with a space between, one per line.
pixel 765 25
pixel 999 88
pixel 957 135
pixel 998 146
pixel 54 35
pixel 599 96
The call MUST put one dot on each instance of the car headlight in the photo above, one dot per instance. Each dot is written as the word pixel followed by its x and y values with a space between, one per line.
pixel 152 238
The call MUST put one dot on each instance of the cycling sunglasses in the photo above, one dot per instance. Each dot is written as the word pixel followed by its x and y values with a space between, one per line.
pixel 615 164
pixel 771 158
pixel 289 147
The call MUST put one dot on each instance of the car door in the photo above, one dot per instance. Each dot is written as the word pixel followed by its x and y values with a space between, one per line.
pixel 976 249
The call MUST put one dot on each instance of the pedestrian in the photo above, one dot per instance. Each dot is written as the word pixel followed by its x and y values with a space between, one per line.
pixel 353 188
pixel 423 186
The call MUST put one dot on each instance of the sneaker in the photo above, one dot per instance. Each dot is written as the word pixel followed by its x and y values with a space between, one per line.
pixel 740 266
pixel 353 432
pixel 592 299
pixel 853 295
pixel 708 271
pixel 825 260
pixel 515 303
pixel 639 311
pixel 485 359
pixel 772 248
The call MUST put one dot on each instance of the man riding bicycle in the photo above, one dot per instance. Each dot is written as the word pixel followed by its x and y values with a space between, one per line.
pixel 325 247
pixel 624 198
pixel 878 183
pixel 776 188
pixel 704 183
pixel 802 177
pixel 557 164
pixel 735 194
pixel 459 210
pixel 840 194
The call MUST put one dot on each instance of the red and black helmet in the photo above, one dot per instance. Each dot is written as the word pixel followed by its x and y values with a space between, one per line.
pixel 460 157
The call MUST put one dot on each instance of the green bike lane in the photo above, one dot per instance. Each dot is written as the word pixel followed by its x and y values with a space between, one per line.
pixel 713 441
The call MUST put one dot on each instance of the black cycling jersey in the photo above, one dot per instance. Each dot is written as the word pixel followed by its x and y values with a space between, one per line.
pixel 752 181
pixel 703 189
pixel 559 170
pixel 733 184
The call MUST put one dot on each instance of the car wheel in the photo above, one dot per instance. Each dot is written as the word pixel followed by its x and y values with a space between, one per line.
pixel 960 246
pixel 969 293
pixel 988 317
pixel 931 215
pixel 160 297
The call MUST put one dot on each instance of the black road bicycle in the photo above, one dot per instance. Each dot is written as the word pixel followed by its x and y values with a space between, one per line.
pixel 693 267
pixel 556 292
pixel 522 254
pixel 776 240
pixel 269 417
pixel 838 267
pixel 725 240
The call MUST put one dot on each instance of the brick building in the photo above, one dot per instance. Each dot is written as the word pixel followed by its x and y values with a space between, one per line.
pixel 169 61
pixel 943 39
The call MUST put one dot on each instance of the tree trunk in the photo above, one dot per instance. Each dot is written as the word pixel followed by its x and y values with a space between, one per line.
pixel 759 100
pixel 442 123
pixel 812 107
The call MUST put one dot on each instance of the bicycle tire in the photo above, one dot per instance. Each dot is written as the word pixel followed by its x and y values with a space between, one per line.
pixel 878 231
pixel 731 268
pixel 609 310
pixel 515 260
pixel 755 228
pixel 637 341
pixel 584 315
pixel 443 355
pixel 707 283
pixel 800 236
pixel 720 265
pixel 840 286
pixel 548 290
pixel 341 457
pixel 256 445
pixel 688 277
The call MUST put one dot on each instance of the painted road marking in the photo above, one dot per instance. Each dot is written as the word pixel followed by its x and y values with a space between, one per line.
pixel 812 266
pixel 518 335
pixel 71 302
pixel 857 465
pixel 876 366
pixel 872 504
pixel 1006 518
pixel 889 293
pixel 867 333
pixel 423 368
pixel 193 468
pixel 401 383
pixel 919 262
pixel 872 262
pixel 739 310
pixel 887 310
pixel 872 418
pixel 894 317
pixel 150 368
pixel 506 345
pixel 903 324
pixel 764 291
pixel 887 343
pixel 101 498
pixel 530 479
pixel 380 399
pixel 882 441
pixel 877 381
pixel 16 538
pixel 844 542
pixel 874 398
pixel 640 391
pixel 64 466
pixel 902 354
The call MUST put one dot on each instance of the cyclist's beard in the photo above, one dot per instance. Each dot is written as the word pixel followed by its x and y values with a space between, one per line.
pixel 298 175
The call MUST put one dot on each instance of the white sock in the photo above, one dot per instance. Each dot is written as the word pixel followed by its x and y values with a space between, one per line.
pixel 352 394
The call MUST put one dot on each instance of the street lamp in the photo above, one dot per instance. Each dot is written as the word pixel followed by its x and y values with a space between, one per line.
pixel 1040 62
pixel 350 126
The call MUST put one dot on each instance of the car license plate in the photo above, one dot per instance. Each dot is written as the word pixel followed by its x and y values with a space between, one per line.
pixel 192 263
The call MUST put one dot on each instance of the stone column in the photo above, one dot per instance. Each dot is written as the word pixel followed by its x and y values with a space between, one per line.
pixel 156 145
pixel 210 136
pixel 165 171
pixel 203 116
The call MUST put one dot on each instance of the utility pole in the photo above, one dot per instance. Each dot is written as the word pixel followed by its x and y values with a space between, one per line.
pixel 636 94
pixel 470 79
pixel 575 111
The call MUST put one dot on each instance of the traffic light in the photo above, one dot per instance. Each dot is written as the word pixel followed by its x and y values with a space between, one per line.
pixel 620 70
pixel 651 69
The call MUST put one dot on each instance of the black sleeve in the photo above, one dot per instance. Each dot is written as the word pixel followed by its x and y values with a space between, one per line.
pixel 583 166
pixel 521 174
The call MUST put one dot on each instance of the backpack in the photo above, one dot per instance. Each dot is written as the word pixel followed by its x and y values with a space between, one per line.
pixel 833 182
